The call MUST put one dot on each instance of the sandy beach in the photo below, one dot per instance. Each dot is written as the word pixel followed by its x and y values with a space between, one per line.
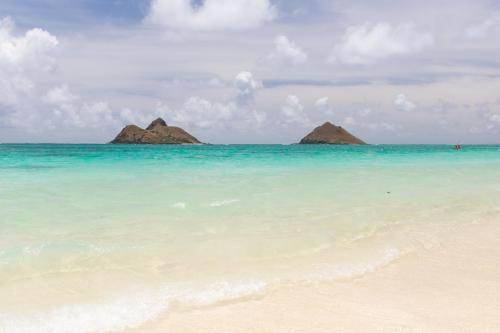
pixel 454 286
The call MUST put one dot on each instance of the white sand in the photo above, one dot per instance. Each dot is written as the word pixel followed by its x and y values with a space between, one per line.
pixel 452 287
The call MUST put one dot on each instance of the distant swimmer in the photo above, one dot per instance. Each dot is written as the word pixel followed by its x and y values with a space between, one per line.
pixel 458 146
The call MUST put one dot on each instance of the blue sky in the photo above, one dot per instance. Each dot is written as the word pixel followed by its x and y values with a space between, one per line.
pixel 250 71
pixel 58 12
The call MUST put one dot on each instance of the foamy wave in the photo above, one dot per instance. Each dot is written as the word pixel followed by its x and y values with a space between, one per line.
pixel 351 271
pixel 222 291
pixel 120 314
pixel 223 202
pixel 179 205
pixel 34 250
pixel 125 312
pixel 358 270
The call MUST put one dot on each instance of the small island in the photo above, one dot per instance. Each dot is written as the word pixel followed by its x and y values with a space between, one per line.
pixel 158 132
pixel 328 133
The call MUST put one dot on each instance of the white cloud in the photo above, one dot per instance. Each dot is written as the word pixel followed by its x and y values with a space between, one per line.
pixel 23 60
pixel 32 51
pixel 323 105
pixel 259 117
pixel 61 109
pixel 197 112
pixel 140 118
pixel 203 113
pixel 403 104
pixel 59 95
pixel 349 121
pixel 66 110
pixel 367 44
pixel 246 86
pixel 293 112
pixel 211 15
pixel 26 65
pixel 494 120
pixel 286 52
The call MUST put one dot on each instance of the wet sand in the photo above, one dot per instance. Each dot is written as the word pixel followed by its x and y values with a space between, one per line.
pixel 453 286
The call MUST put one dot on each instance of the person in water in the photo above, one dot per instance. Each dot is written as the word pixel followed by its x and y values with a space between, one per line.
pixel 458 146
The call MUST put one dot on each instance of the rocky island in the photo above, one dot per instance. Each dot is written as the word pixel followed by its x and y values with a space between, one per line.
pixel 328 133
pixel 158 132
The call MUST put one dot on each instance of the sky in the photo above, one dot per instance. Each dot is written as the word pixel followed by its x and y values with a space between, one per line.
pixel 251 71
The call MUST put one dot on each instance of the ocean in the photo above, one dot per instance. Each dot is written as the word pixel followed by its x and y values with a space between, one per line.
pixel 104 238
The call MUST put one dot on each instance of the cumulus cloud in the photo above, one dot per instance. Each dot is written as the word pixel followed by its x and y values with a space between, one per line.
pixel 59 96
pixel 246 85
pixel 286 52
pixel 26 60
pixel 199 112
pixel 143 118
pixel 494 121
pixel 26 64
pixel 66 109
pixel 211 14
pixel 29 103
pixel 61 109
pixel 23 60
pixel 368 44
pixel 402 103
pixel 293 112
pixel 323 105
pixel 32 51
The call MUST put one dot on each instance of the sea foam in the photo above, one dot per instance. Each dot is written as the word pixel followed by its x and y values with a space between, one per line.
pixel 328 272
pixel 223 202
pixel 179 205
pixel 126 312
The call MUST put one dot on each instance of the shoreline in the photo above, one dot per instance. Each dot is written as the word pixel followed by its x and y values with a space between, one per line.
pixel 453 286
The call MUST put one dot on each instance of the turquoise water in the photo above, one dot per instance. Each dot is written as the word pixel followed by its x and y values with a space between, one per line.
pixel 133 232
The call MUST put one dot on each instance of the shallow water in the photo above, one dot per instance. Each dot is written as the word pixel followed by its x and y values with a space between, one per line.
pixel 122 234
